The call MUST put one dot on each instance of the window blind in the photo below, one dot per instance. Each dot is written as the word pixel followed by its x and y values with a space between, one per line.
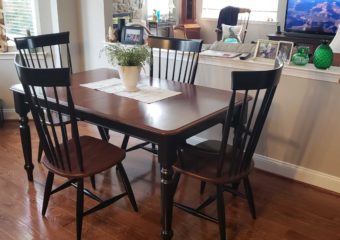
pixel 19 17
pixel 261 10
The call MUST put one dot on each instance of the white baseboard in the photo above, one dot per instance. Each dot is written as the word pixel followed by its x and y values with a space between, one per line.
pixel 292 171
pixel 10 114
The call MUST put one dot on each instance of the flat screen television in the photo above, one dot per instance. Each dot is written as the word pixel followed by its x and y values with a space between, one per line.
pixel 312 18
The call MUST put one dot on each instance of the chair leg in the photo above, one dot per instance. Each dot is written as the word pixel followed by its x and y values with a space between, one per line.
pixel 175 182
pixel 127 186
pixel 235 186
pixel 250 198
pixel 93 181
pixel 104 133
pixel 80 207
pixel 125 142
pixel 40 151
pixel 153 146
pixel 202 188
pixel 221 211
pixel 47 194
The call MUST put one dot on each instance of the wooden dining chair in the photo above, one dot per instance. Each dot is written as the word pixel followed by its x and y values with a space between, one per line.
pixel 49 51
pixel 45 51
pixel 72 157
pixel 223 165
pixel 171 59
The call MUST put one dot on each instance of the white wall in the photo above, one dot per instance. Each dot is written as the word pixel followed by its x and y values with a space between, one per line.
pixel 94 19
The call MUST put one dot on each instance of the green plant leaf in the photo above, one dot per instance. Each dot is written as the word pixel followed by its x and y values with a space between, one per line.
pixel 125 55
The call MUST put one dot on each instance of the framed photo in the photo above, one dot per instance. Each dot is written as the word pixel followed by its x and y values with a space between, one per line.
pixel 266 50
pixel 132 35
pixel 285 50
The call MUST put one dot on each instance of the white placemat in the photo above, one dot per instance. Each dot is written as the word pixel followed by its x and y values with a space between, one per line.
pixel 146 93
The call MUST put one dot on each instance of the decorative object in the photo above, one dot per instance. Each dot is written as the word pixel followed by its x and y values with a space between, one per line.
pixel 121 25
pixel 266 50
pixel 301 57
pixel 132 35
pixel 285 51
pixel 231 32
pixel 171 6
pixel 112 35
pixel 335 45
pixel 117 16
pixel 130 60
pixel 3 37
pixel 323 56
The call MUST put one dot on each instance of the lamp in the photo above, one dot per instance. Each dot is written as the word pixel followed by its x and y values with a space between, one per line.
pixel 171 6
pixel 335 45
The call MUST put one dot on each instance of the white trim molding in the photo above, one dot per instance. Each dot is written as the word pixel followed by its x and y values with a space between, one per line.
pixel 291 171
pixel 10 114
pixel 298 173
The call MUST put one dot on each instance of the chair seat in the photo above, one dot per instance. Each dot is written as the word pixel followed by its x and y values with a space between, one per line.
pixel 98 156
pixel 200 161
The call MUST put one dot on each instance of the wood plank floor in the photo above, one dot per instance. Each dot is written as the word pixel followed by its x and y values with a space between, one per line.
pixel 286 209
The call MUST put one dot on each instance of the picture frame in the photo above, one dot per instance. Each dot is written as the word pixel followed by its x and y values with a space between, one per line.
pixel 285 50
pixel 266 50
pixel 132 35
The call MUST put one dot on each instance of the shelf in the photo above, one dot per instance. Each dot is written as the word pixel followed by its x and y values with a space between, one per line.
pixel 308 71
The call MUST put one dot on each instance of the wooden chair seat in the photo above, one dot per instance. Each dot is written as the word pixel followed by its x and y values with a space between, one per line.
pixel 200 162
pixel 97 157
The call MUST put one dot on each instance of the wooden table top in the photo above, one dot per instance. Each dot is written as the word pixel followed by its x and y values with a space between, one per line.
pixel 169 116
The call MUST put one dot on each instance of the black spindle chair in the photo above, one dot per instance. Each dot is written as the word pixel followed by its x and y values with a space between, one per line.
pixel 48 51
pixel 73 157
pixel 177 61
pixel 221 164
pixel 45 51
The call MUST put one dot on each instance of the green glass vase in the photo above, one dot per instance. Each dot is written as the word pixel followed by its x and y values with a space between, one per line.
pixel 323 56
pixel 301 57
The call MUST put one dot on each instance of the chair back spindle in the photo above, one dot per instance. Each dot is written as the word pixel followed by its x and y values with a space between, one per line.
pixel 177 58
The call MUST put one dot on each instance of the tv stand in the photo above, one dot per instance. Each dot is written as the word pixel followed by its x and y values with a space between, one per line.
pixel 312 43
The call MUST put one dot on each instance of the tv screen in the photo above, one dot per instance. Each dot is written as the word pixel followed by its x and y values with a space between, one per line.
pixel 319 17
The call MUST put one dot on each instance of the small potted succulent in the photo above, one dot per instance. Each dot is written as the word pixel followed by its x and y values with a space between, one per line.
pixel 130 60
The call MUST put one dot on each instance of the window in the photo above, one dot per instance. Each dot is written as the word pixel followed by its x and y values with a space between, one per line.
pixel 19 17
pixel 261 10
pixel 161 6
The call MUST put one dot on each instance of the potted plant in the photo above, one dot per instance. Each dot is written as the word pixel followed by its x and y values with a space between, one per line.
pixel 130 60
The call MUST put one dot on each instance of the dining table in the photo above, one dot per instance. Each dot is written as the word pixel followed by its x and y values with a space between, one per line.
pixel 167 123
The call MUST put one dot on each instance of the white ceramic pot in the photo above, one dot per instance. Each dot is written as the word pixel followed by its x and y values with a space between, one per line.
pixel 130 76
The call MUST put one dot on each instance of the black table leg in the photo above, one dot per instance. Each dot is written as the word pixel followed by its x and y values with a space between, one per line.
pixel 166 155
pixel 21 108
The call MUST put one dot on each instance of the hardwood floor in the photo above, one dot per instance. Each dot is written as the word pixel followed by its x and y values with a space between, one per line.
pixel 285 209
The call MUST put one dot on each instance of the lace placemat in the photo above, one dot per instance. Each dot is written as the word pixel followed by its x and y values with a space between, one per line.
pixel 146 93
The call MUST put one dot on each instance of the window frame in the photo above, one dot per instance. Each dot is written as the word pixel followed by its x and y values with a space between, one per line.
pixel 35 20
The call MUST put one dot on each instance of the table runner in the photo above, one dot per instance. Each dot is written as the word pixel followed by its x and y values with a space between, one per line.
pixel 146 93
